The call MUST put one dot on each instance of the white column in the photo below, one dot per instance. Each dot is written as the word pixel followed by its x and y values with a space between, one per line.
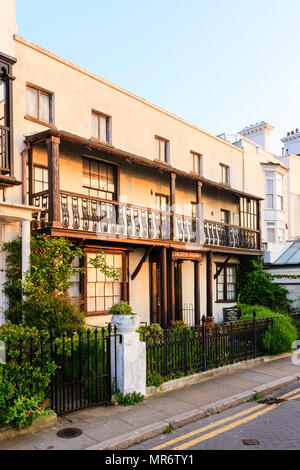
pixel 130 355
pixel 25 247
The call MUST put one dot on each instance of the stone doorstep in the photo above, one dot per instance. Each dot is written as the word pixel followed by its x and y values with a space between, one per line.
pixel 145 433
pixel 44 422
pixel 189 380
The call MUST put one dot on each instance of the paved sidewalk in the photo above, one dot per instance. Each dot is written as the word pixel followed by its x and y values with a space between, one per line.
pixel 118 427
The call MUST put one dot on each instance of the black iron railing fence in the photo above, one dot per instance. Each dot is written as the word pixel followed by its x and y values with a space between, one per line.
pixel 183 351
pixel 82 362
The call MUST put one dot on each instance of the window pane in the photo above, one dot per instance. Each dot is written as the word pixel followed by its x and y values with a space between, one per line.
pixel 103 130
pixel 162 150
pixel 271 235
pixel 100 304
pixel 269 201
pixel 269 186
pixel 44 107
pixel 95 126
pixel 31 102
pixel 157 148
pixel 91 304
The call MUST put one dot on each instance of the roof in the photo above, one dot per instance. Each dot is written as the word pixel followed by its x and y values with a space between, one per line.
pixel 139 160
pixel 290 256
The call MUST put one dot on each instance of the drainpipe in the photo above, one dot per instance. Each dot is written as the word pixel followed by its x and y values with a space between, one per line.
pixel 23 156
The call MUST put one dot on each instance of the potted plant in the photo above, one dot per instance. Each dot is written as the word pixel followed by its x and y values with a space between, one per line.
pixel 123 318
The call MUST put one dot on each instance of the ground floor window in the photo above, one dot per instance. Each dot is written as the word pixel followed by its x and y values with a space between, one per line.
pixel 226 284
pixel 103 292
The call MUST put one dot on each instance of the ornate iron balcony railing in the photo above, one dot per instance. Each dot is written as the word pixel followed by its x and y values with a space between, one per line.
pixel 117 219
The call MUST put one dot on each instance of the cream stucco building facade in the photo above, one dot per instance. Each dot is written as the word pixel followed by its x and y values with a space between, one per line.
pixel 174 208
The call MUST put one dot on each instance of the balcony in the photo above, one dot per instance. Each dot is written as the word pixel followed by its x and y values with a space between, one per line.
pixel 116 220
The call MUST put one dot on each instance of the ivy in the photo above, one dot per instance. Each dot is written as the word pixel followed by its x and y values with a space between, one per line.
pixel 255 287
pixel 99 262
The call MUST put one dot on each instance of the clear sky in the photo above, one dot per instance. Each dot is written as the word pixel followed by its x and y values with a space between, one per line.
pixel 221 64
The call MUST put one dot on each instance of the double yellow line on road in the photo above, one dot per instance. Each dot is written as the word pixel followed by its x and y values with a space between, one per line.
pixel 254 412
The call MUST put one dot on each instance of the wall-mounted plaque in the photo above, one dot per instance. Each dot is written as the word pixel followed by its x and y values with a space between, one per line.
pixel 231 314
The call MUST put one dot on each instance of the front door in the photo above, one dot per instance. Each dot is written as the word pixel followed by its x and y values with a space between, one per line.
pixel 155 292
pixel 178 290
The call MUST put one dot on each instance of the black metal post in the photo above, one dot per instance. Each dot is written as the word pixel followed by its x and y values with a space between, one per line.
pixel 254 334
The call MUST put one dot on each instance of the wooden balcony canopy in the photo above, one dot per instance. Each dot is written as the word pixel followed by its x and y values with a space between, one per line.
pixel 147 162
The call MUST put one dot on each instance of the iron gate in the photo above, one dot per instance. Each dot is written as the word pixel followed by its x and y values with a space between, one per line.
pixel 83 377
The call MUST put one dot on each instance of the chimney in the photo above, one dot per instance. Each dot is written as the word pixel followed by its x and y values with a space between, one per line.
pixel 292 142
pixel 259 133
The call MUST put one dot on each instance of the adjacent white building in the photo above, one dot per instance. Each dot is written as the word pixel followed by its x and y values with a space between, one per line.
pixel 279 176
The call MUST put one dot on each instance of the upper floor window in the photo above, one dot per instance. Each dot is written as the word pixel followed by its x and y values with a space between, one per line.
pixel 39 105
pixel 162 202
pixel 225 216
pixel 225 174
pixel 99 179
pixel 279 192
pixel 101 127
pixel 197 163
pixel 269 203
pixel 40 178
pixel 248 213
pixel 162 149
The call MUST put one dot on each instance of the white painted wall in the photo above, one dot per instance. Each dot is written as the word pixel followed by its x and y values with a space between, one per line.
pixel 8 26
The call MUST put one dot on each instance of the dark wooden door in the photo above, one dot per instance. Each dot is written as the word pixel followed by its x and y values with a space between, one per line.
pixel 178 290
pixel 155 292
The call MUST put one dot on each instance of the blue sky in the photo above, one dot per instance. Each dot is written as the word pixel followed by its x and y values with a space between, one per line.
pixel 221 64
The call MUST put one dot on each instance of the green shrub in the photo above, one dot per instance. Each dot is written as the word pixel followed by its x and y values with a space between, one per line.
pixel 261 311
pixel 121 308
pixel 255 286
pixel 281 332
pixel 53 311
pixel 155 379
pixel 280 335
pixel 24 385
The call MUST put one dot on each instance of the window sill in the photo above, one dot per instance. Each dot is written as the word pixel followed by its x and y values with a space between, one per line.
pixel 103 142
pixel 97 314
pixel 162 162
pixel 225 301
pixel 42 123
pixel 194 173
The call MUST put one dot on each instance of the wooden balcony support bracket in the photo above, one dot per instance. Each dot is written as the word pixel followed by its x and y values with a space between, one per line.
pixel 53 177
pixel 223 266
pixel 141 262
